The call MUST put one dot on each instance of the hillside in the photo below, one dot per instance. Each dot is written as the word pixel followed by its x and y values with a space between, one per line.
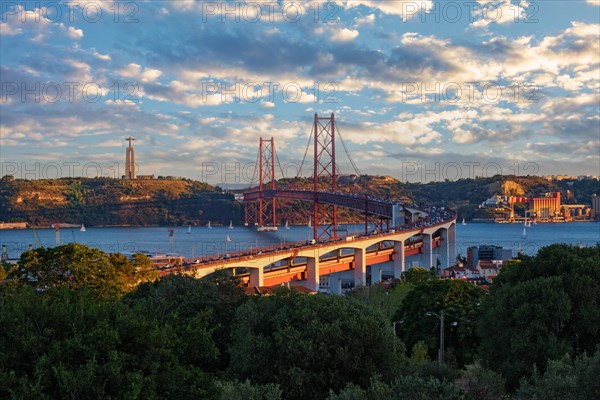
pixel 464 195
pixel 107 201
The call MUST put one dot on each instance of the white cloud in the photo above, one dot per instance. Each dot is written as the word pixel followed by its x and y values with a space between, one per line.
pixel 75 33
pixel 267 105
pixel 8 30
pixel 143 75
pixel 103 57
pixel 366 20
pixel 110 143
pixel 406 9
pixel 343 35
pixel 499 12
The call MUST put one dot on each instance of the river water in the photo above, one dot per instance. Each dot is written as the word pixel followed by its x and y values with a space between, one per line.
pixel 209 241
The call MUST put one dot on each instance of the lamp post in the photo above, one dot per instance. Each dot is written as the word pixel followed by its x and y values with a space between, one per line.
pixel 441 350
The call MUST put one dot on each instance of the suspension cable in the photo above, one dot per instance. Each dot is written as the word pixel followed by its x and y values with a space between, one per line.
pixel 306 151
pixel 255 167
pixel 278 163
pixel 347 152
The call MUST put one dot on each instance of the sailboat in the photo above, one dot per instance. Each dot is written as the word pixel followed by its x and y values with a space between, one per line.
pixel 524 234
pixel 230 224
pixel 287 225
pixel 189 231
pixel 208 225
pixel 464 223
pixel 82 229
pixel 310 222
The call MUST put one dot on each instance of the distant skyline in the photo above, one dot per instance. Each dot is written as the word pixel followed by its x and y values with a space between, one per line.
pixel 423 90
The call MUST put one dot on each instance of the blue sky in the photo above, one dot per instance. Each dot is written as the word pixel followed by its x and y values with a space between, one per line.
pixel 421 90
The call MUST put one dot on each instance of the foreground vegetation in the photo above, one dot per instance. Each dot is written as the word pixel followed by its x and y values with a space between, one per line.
pixel 74 329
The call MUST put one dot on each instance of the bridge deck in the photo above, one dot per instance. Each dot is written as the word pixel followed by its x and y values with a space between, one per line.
pixel 364 203
pixel 295 249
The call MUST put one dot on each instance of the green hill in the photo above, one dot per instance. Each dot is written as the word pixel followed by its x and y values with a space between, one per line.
pixel 108 201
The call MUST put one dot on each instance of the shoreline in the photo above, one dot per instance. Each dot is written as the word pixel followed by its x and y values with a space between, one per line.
pixel 75 226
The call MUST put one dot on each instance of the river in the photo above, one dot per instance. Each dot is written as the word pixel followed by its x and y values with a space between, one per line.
pixel 207 241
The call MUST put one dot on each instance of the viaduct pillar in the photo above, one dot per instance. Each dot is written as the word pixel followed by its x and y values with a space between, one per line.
pixel 398 259
pixel 360 267
pixel 312 273
pixel 426 256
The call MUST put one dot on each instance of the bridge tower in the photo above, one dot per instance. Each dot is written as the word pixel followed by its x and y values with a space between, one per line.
pixel 324 215
pixel 263 211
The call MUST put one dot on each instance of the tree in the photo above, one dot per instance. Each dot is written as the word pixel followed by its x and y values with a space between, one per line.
pixel 72 266
pixel 198 311
pixel 247 391
pixel 540 309
pixel 4 268
pixel 460 302
pixel 419 354
pixel 133 271
pixel 564 378
pixel 409 387
pixel 66 344
pixel 418 275
pixel 480 383
pixel 387 301
pixel 309 344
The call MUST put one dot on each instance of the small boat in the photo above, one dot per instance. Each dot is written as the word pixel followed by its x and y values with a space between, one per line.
pixel 230 224
pixel 266 229
pixel 82 229
pixel 189 231
pixel 287 225
pixel 208 225
pixel 228 239
pixel 464 223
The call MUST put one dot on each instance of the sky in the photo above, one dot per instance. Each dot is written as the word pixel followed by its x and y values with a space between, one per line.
pixel 421 90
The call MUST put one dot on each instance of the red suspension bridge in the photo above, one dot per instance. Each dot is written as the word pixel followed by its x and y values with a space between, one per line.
pixel 261 201
pixel 329 256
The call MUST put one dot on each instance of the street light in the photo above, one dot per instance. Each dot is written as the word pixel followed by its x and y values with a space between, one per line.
pixel 441 316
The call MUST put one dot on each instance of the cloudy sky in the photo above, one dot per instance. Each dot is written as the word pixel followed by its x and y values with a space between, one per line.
pixel 422 90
